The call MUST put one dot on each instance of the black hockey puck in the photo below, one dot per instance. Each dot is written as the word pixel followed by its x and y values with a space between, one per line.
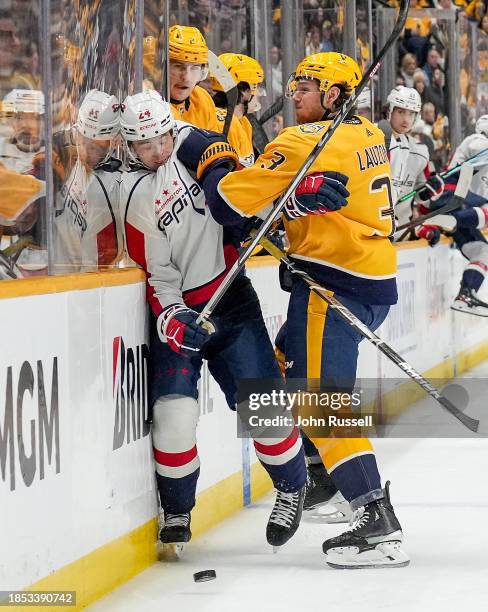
pixel 204 576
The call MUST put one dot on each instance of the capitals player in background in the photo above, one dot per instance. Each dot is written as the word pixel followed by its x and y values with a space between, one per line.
pixel 87 229
pixel 409 160
pixel 186 254
pixel 248 75
pixel 465 225
pixel 346 249
pixel 188 65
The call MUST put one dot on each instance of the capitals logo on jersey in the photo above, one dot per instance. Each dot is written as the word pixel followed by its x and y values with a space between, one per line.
pixel 174 199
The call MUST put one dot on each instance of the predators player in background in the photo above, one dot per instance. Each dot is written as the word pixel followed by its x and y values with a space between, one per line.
pixel 248 75
pixel 188 65
pixel 347 250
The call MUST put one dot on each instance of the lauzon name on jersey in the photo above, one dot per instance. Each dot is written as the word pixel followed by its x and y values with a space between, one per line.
pixel 372 156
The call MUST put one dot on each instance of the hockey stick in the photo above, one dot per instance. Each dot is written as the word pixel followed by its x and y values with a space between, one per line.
pixel 359 326
pixel 446 174
pixel 224 77
pixel 462 188
pixel 271 111
pixel 341 115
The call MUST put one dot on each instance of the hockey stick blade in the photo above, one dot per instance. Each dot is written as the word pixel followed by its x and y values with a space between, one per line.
pixel 363 329
pixel 224 77
pixel 319 146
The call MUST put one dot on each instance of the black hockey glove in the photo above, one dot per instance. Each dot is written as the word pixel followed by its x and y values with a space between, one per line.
pixel 433 188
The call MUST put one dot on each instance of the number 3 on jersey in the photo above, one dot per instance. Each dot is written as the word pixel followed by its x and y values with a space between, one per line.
pixel 379 184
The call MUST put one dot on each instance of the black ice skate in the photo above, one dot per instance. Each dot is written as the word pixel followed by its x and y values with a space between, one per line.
pixel 321 491
pixel 285 517
pixel 373 541
pixel 467 301
pixel 320 487
pixel 174 532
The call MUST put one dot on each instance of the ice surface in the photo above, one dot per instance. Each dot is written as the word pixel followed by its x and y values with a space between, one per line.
pixel 440 493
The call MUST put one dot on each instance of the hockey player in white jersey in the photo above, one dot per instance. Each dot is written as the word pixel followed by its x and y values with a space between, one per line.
pixel 470 220
pixel 18 151
pixel 409 159
pixel 87 228
pixel 186 254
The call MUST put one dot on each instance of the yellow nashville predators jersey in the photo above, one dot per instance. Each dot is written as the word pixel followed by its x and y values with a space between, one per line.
pixel 199 109
pixel 348 249
pixel 238 137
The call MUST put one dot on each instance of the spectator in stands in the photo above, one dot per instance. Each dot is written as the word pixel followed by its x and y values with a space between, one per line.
pixel 435 92
pixel 484 23
pixel 433 61
pixel 428 115
pixel 314 44
pixel 419 83
pixel 407 68
pixel 328 43
pixel 418 132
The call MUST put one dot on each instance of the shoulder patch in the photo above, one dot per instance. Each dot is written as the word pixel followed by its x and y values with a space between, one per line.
pixel 352 121
pixel 221 114
pixel 368 132
pixel 311 128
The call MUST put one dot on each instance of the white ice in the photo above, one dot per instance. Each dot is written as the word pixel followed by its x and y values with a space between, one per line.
pixel 440 493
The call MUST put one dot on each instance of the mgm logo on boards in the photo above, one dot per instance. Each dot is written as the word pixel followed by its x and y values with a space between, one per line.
pixel 29 423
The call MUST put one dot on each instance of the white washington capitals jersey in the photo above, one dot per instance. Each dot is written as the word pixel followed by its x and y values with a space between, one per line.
pixel 171 234
pixel 472 145
pixel 409 163
pixel 87 230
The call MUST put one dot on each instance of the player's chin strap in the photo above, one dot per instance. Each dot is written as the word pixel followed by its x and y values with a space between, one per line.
pixel 351 319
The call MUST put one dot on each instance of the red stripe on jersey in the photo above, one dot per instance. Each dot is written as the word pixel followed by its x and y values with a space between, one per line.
pixel 278 448
pixel 175 459
pixel 136 247
pixel 202 294
pixel 107 247
pixel 485 213
pixel 480 264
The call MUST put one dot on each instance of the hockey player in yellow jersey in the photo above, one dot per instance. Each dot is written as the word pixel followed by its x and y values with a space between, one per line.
pixel 188 65
pixel 248 75
pixel 347 250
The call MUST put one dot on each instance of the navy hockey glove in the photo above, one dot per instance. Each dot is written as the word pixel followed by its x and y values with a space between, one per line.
pixel 318 194
pixel 183 334
pixel 433 188
pixel 203 150
pixel 431 233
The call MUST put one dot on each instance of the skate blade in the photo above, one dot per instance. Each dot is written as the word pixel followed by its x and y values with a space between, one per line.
pixel 336 510
pixel 386 554
pixel 171 551
pixel 467 310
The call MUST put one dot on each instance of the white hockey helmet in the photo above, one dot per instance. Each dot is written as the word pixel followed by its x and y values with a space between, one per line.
pixel 364 99
pixel 145 115
pixel 98 116
pixel 481 126
pixel 404 97
pixel 26 101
